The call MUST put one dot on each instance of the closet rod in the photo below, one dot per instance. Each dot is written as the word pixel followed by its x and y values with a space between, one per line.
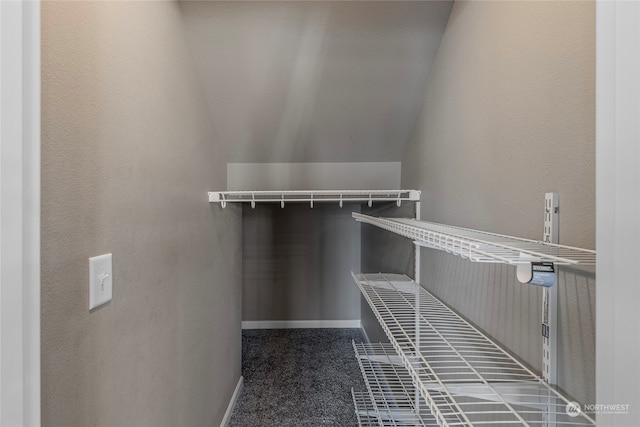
pixel 313 196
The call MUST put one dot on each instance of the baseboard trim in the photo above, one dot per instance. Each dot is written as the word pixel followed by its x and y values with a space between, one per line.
pixel 297 324
pixel 232 403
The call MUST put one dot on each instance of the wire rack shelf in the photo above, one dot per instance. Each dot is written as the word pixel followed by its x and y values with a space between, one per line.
pixel 463 376
pixel 313 196
pixel 365 411
pixel 480 246
pixel 391 398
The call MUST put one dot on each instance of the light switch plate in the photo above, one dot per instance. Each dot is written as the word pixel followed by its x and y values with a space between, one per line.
pixel 100 280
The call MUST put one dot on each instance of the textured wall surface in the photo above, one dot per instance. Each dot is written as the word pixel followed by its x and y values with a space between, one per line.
pixel 314 81
pixel 314 176
pixel 508 115
pixel 297 262
pixel 127 159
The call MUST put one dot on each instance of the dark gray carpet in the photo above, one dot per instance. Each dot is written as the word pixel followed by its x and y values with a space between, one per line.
pixel 298 377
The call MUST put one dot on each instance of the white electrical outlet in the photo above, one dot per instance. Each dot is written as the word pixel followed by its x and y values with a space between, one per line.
pixel 100 280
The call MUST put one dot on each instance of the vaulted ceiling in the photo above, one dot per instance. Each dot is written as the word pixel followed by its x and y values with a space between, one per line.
pixel 314 81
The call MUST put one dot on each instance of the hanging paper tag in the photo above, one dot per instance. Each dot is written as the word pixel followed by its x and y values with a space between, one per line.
pixel 543 274
pixel 536 272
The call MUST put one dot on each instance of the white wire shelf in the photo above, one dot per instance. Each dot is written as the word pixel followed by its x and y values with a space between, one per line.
pixel 365 411
pixel 480 246
pixel 464 377
pixel 391 398
pixel 314 196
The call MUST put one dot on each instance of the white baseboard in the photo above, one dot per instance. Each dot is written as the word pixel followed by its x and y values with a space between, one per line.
pixel 232 403
pixel 296 324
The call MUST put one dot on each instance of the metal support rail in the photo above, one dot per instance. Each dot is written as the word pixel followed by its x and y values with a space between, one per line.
pixel 391 391
pixel 480 246
pixel 313 196
pixel 465 378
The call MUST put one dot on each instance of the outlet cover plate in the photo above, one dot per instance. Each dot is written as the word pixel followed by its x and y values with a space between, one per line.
pixel 100 280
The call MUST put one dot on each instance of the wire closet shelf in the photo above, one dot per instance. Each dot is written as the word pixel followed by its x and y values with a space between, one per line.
pixel 464 378
pixel 365 411
pixel 312 196
pixel 391 395
pixel 480 246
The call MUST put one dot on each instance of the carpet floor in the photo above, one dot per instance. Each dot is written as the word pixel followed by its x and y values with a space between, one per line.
pixel 298 377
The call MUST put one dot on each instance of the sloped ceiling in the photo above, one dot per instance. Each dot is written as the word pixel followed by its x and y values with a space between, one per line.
pixel 314 81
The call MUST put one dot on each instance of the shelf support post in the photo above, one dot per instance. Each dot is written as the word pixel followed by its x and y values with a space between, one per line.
pixel 550 296
pixel 550 304
pixel 416 277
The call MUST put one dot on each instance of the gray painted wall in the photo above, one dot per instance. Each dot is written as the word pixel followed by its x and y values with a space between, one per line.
pixel 508 115
pixel 316 81
pixel 297 262
pixel 128 155
pixel 314 176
